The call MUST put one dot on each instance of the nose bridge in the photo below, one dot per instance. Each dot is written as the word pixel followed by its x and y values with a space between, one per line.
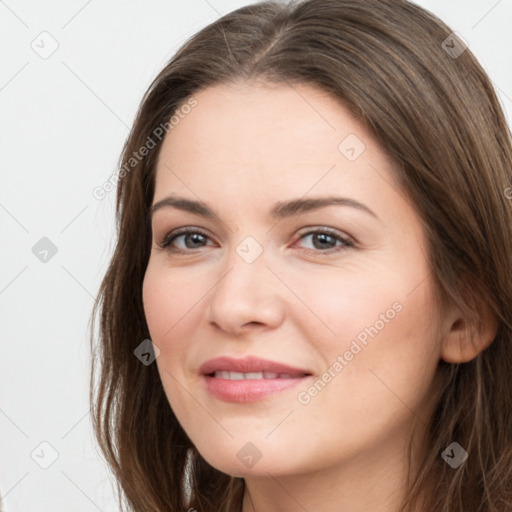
pixel 247 290
pixel 245 272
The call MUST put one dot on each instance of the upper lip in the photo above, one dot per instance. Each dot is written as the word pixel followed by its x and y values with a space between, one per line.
pixel 248 364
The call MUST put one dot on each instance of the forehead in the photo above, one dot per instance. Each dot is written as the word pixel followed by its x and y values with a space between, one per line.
pixel 254 120
pixel 251 137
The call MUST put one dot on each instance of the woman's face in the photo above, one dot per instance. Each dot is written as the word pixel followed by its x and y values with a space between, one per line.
pixel 339 290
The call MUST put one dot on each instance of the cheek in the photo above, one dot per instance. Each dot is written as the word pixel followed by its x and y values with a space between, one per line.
pixel 167 313
pixel 167 301
pixel 349 303
pixel 389 350
pixel 174 310
pixel 384 327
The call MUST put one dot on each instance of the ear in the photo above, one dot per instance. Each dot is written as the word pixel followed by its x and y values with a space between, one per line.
pixel 463 340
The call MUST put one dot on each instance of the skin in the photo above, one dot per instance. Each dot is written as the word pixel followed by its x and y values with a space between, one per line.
pixel 243 148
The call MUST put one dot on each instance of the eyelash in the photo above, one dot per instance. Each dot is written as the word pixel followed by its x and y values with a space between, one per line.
pixel 346 243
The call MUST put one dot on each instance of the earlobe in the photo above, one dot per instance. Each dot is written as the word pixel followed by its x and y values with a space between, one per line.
pixel 466 339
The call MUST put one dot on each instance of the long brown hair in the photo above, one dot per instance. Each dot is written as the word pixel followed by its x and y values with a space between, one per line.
pixel 434 111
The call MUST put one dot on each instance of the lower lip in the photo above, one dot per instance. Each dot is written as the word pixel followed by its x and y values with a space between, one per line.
pixel 248 390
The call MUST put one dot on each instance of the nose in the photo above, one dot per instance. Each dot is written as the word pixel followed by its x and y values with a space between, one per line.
pixel 247 296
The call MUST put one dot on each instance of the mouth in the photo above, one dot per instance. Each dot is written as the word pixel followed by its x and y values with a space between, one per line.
pixel 249 379
pixel 255 375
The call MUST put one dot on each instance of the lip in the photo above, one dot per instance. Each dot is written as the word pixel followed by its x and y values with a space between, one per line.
pixel 248 364
pixel 249 390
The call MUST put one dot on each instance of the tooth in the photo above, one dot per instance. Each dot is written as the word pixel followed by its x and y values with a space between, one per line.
pixel 270 375
pixel 236 375
pixel 254 375
pixel 221 375
pixel 285 376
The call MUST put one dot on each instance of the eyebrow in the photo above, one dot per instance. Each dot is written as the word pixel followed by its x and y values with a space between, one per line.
pixel 279 211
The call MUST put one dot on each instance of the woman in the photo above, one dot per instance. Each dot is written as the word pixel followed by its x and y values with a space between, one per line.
pixel 309 306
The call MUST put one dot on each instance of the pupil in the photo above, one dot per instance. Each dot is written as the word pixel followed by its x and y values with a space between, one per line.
pixel 196 238
pixel 322 237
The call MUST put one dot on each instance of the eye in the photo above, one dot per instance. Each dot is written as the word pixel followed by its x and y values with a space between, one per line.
pixel 325 240
pixel 193 238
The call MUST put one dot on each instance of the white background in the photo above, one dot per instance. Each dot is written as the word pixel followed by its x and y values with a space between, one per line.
pixel 63 122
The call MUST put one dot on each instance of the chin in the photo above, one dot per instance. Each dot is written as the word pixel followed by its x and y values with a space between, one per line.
pixel 247 461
